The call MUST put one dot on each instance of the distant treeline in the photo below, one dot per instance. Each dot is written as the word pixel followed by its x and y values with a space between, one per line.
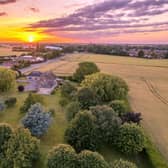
pixel 120 50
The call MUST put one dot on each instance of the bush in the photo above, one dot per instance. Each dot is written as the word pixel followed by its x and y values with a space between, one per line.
pixel 63 101
pixel 37 120
pixel 107 122
pixel 106 87
pixel 7 80
pixel 30 100
pixel 10 102
pixel 2 106
pixel 154 156
pixel 123 164
pixel 85 68
pixel 62 156
pixel 131 118
pixel 21 88
pixel 87 98
pixel 72 109
pixel 68 89
pixel 81 133
pixel 5 133
pixel 119 106
pixel 88 159
pixel 130 139
pixel 22 150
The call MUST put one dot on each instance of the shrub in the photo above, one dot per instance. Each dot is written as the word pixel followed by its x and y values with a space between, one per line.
pixel 85 68
pixel 123 164
pixel 130 139
pixel 81 133
pixel 2 106
pixel 107 122
pixel 72 109
pixel 10 102
pixel 62 156
pixel 87 98
pixel 106 87
pixel 68 89
pixel 30 100
pixel 7 80
pixel 22 150
pixel 37 120
pixel 88 159
pixel 63 101
pixel 119 106
pixel 21 88
pixel 131 118
pixel 5 133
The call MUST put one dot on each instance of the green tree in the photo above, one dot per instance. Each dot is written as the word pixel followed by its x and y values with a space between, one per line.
pixel 81 133
pixel 7 80
pixel 31 100
pixel 88 159
pixel 62 156
pixel 106 87
pixel 68 89
pixel 85 68
pixel 119 106
pixel 72 109
pixel 22 150
pixel 107 122
pixel 141 54
pixel 37 120
pixel 5 133
pixel 130 139
pixel 123 164
pixel 87 98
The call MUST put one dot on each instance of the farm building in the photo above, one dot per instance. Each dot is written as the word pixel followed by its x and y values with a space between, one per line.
pixel 42 83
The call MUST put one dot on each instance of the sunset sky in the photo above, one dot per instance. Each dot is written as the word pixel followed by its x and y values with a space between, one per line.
pixel 90 21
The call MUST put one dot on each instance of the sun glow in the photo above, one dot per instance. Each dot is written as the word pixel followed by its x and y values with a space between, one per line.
pixel 31 38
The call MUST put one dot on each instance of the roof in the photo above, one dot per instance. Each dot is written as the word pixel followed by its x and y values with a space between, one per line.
pixel 53 48
pixel 35 73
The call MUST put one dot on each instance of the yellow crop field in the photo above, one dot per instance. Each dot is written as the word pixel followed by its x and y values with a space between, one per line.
pixel 148 83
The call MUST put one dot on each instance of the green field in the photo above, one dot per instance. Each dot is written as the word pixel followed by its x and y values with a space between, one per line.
pixel 147 80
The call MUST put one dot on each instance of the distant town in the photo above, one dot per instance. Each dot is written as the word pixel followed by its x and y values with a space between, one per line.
pixel 36 53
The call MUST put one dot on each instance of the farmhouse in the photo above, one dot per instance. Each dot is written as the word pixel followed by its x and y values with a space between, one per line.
pixel 31 59
pixel 42 83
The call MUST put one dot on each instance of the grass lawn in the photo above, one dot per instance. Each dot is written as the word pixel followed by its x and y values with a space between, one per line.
pixel 55 134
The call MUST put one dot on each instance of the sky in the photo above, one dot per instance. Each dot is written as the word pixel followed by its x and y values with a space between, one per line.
pixel 86 21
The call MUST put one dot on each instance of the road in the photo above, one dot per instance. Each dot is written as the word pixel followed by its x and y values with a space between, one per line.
pixel 36 66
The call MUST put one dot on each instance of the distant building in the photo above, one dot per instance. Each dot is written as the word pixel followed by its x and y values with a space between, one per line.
pixel 53 48
pixel 31 59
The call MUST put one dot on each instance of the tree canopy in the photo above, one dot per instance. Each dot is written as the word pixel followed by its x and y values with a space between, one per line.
pixel 106 87
pixel 7 79
pixel 85 68
pixel 81 133
pixel 130 139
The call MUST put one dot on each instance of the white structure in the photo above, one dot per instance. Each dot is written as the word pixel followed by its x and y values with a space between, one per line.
pixel 53 48
pixel 31 58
